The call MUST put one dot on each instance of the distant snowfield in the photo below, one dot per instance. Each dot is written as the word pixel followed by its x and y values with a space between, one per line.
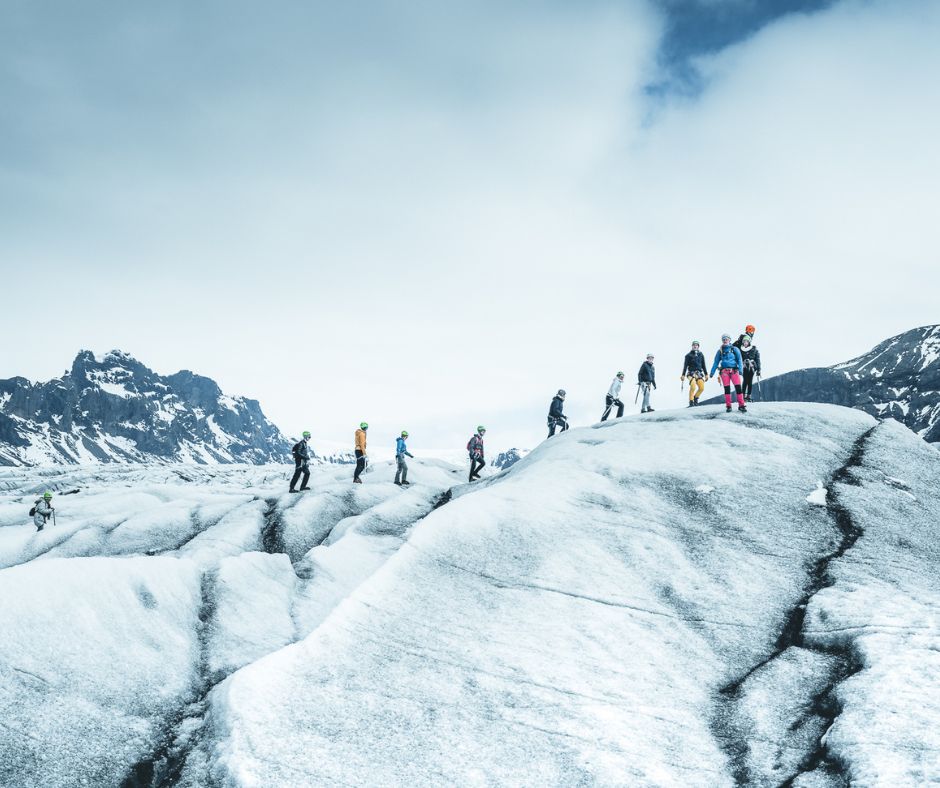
pixel 687 598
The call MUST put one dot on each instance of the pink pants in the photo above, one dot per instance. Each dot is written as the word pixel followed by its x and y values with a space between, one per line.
pixel 729 376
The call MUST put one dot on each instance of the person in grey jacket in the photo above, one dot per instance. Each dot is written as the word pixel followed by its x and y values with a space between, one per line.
pixel 44 511
pixel 613 397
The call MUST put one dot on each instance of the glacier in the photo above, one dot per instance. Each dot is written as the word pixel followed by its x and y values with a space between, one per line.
pixel 682 598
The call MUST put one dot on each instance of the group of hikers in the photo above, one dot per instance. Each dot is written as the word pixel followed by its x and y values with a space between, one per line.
pixel 736 363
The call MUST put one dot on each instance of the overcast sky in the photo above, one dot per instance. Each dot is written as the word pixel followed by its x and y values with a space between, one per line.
pixel 432 215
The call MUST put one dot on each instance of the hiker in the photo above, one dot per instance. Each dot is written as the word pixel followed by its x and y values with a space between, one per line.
pixel 43 510
pixel 361 460
pixel 475 448
pixel 694 368
pixel 555 416
pixel 646 379
pixel 401 451
pixel 728 361
pixel 749 332
pixel 301 454
pixel 613 397
pixel 750 355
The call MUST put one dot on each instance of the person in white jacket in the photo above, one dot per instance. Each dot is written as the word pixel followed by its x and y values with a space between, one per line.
pixel 613 397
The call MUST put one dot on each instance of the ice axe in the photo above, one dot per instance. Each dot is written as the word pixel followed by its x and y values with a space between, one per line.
pixel 760 392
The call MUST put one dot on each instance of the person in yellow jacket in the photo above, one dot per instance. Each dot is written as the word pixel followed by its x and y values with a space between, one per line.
pixel 695 369
pixel 360 452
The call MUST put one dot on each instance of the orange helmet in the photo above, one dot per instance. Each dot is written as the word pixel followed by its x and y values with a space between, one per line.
pixel 750 330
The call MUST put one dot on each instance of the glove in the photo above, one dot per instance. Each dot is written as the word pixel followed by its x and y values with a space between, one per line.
pixel 410 454
pixel 654 386
pixel 682 378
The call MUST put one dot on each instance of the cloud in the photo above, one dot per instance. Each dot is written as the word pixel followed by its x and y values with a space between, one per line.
pixel 434 217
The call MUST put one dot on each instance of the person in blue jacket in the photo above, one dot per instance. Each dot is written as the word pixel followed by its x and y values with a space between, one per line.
pixel 730 367
pixel 646 379
pixel 401 451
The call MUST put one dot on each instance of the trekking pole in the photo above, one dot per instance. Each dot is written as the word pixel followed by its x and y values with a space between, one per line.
pixel 760 392
pixel 53 517
pixel 637 397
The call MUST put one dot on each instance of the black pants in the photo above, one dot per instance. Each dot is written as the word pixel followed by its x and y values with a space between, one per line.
pixel 748 382
pixel 360 464
pixel 554 424
pixel 610 404
pixel 302 468
pixel 475 467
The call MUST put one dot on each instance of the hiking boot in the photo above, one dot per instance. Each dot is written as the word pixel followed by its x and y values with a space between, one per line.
pixel 406 484
pixel 357 481
pixel 695 400
pixel 727 409
pixel 397 484
pixel 691 404
pixel 304 488
pixel 650 410
pixel 742 409
pixel 293 491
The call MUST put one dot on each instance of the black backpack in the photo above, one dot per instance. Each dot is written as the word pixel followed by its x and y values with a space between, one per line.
pixel 32 512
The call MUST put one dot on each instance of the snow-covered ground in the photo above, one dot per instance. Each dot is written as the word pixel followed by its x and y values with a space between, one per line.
pixel 684 598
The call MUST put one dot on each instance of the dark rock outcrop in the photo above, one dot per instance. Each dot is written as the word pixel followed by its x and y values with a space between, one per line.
pixel 115 409
pixel 899 379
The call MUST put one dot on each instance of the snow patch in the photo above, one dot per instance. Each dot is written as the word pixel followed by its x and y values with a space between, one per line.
pixel 819 496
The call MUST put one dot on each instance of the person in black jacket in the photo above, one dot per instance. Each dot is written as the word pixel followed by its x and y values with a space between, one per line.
pixel 301 463
pixel 750 355
pixel 695 368
pixel 556 418
pixel 646 379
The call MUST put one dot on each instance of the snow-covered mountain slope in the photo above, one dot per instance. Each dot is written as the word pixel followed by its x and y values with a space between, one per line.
pixel 615 609
pixel 114 409
pixel 899 379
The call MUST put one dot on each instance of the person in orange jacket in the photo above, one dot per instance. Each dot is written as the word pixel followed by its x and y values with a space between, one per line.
pixel 360 452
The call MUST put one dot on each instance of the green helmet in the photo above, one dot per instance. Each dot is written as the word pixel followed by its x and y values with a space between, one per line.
pixel 481 428
pixel 620 374
pixel 364 425
pixel 47 495
pixel 404 433
pixel 696 342
pixel 306 433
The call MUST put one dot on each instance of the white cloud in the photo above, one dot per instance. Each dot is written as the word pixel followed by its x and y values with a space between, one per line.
pixel 456 219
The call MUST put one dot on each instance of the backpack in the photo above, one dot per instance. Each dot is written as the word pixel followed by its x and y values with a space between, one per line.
pixel 296 450
pixel 32 512
pixel 728 359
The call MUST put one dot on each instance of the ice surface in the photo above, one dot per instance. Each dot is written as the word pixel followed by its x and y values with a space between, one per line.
pixel 96 653
pixel 251 598
pixel 614 609
pixel 569 622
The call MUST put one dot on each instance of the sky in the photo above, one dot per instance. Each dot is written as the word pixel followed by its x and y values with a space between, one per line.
pixel 431 216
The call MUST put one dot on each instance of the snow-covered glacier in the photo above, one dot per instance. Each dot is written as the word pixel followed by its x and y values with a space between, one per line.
pixel 687 598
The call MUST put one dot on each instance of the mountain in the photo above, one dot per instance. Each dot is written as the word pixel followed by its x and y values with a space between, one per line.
pixel 614 609
pixel 899 379
pixel 115 409
pixel 506 459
